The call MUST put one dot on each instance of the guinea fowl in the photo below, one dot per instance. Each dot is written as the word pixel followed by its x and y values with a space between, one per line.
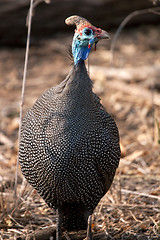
pixel 69 145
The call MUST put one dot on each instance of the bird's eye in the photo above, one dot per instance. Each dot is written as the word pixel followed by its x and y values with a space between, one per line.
pixel 87 31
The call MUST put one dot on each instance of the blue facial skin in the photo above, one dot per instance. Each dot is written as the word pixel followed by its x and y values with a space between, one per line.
pixel 81 45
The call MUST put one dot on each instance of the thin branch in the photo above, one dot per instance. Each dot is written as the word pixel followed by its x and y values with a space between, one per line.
pixel 158 129
pixel 23 88
pixel 155 12
pixel 35 3
pixel 126 20
pixel 140 194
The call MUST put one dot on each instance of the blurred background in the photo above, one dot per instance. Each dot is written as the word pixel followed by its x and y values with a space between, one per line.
pixel 130 91
pixel 49 20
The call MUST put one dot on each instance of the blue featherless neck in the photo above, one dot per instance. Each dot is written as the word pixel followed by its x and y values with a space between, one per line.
pixel 81 48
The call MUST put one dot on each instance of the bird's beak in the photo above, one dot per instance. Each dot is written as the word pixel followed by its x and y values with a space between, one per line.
pixel 103 35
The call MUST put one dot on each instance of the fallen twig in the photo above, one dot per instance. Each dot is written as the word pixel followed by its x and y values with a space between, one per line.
pixel 50 233
pixel 140 194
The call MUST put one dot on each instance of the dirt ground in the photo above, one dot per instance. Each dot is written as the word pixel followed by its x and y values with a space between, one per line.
pixel 130 92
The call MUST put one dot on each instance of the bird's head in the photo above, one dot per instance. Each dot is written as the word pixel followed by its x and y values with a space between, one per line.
pixel 85 36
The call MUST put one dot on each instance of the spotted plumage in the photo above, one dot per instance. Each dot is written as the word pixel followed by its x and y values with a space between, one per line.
pixel 69 147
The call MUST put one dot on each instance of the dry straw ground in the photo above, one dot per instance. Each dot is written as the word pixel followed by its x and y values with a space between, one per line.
pixel 130 91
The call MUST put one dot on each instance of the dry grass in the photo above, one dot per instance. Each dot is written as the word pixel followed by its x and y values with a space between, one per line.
pixel 131 209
